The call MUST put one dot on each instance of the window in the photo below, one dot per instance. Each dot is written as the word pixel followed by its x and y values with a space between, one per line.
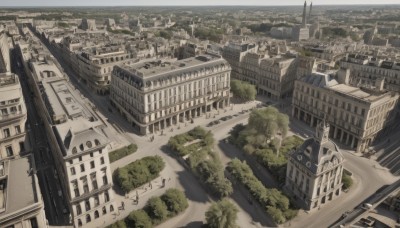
pixel 80 158
pixel 96 201
pixel 78 209
pixel 72 170
pixel 9 151
pixel 13 109
pixel 18 129
pixel 88 219
pixel 91 154
pixel 104 210
pixel 82 167
pixel 85 185
pixel 111 208
pixel 105 180
pixel 106 197
pixel 6 133
pixel 87 205
pixel 75 187
pixel 96 214
pixel 79 223
pixel 21 146
pixel 102 160
pixel 34 223
pixel 92 164
pixel 94 180
pixel 4 111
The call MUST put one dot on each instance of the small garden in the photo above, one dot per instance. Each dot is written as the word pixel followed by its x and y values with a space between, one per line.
pixel 196 147
pixel 123 152
pixel 157 210
pixel 265 139
pixel 276 203
pixel 138 172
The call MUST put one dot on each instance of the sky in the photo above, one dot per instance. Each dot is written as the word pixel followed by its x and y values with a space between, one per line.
pixel 183 2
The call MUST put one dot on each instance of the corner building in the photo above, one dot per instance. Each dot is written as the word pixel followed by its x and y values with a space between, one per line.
pixel 356 115
pixel 154 95
pixel 314 170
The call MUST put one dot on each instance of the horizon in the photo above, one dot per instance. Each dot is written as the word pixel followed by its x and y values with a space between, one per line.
pixel 182 3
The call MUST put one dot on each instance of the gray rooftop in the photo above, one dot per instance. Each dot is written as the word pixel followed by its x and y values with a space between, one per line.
pixel 21 187
pixel 153 69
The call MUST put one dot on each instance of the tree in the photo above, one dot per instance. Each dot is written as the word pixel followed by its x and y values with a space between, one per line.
pixel 269 121
pixel 175 200
pixel 156 209
pixel 139 219
pixel 276 214
pixel 243 90
pixel 118 224
pixel 222 214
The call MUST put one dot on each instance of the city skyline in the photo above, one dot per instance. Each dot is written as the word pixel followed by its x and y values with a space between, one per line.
pixel 23 3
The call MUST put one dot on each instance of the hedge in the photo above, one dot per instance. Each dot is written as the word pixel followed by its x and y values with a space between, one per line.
pixel 138 172
pixel 123 152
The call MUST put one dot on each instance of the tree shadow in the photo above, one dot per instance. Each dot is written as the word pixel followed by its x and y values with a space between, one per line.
pixel 248 204
pixel 194 224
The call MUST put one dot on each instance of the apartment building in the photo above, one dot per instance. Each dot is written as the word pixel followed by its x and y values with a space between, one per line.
pixel 76 138
pixel 356 115
pixel 154 95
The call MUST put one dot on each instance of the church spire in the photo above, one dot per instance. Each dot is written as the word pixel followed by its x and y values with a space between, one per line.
pixel 309 13
pixel 304 15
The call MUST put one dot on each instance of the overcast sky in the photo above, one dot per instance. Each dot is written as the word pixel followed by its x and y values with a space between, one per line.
pixel 182 2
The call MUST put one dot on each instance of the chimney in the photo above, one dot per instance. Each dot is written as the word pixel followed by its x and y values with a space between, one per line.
pixel 344 76
pixel 379 84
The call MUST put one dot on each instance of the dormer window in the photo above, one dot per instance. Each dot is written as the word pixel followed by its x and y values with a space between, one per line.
pixel 89 144
pixel 96 142
pixel 74 150
pixel 81 147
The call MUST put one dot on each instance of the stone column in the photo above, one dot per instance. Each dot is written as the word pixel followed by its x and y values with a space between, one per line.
pixel 352 142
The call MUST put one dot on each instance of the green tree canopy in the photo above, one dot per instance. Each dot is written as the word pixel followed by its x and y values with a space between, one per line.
pixel 243 90
pixel 139 219
pixel 175 201
pixel 156 209
pixel 269 121
pixel 222 214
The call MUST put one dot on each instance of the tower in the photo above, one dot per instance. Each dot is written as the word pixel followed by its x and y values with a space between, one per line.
pixel 309 13
pixel 304 15
pixel 322 132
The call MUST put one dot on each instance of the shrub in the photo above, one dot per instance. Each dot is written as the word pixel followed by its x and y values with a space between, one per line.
pixel 269 198
pixel 276 214
pixel 347 181
pixel 175 201
pixel 222 214
pixel 138 172
pixel 157 210
pixel 139 219
pixel 123 152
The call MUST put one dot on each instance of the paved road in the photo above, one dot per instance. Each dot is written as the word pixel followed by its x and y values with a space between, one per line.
pixel 49 185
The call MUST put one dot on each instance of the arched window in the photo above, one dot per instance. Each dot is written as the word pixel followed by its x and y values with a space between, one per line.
pixel 74 150
pixel 111 208
pixel 96 214
pixel 88 219
pixel 104 210
pixel 81 147
pixel 96 142
pixel 79 223
pixel 106 197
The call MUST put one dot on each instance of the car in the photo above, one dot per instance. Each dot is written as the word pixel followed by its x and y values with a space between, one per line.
pixel 210 124
pixel 224 118
pixel 236 115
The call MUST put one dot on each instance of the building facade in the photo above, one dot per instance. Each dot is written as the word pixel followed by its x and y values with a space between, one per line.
pixel 74 130
pixel 356 115
pixel 314 170
pixel 365 69
pixel 13 141
pixel 155 95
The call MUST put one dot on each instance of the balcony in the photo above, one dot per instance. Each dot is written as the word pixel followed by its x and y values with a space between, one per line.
pixel 12 116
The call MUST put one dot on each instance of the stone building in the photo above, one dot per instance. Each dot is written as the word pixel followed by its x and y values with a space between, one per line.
pixel 95 65
pixel 301 32
pixel 234 52
pixel 76 139
pixel 88 24
pixel 367 70
pixel 154 95
pixel 13 116
pixel 356 115
pixel 314 170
